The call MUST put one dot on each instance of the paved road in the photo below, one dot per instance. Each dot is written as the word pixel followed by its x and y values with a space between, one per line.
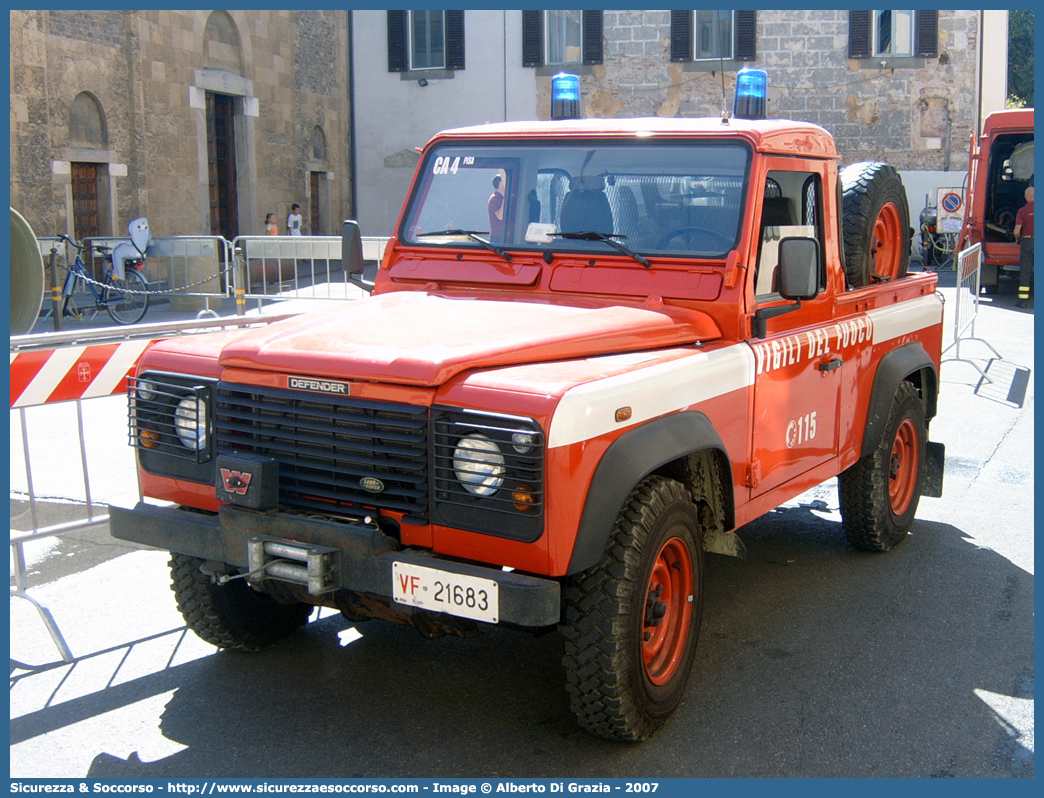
pixel 815 660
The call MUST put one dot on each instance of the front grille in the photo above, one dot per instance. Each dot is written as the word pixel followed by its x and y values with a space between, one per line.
pixel 329 447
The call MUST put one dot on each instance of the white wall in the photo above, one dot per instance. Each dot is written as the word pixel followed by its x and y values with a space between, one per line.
pixel 394 115
pixel 994 63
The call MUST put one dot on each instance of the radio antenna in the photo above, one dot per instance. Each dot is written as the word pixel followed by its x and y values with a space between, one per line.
pixel 724 100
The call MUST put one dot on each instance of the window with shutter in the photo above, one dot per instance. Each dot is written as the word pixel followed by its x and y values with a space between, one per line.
pixel 454 40
pixel 745 48
pixel 561 38
pixel 681 36
pixel 425 40
pixel 926 37
pixel 398 54
pixel 591 22
pixel 713 35
pixel 893 34
pixel 532 39
pixel 858 34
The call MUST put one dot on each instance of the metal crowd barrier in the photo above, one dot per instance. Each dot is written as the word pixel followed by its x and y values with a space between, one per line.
pixel 969 285
pixel 192 270
pixel 77 367
pixel 297 266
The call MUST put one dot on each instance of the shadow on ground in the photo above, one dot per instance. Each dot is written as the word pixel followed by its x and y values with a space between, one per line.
pixel 815 660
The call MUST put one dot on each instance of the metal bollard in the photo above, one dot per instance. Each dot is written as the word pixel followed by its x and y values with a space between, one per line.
pixel 56 292
pixel 239 281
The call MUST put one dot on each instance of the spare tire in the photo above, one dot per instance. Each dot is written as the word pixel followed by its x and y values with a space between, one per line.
pixel 875 221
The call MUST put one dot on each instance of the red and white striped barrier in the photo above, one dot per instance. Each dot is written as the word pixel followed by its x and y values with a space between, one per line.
pixel 73 372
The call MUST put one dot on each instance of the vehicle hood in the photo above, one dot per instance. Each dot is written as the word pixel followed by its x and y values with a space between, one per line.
pixel 414 338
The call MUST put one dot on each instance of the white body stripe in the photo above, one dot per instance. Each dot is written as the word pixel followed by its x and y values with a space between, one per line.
pixel 904 318
pixel 589 410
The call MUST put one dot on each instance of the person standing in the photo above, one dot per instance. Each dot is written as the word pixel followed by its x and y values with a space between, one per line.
pixel 1024 235
pixel 271 228
pixel 293 221
pixel 495 209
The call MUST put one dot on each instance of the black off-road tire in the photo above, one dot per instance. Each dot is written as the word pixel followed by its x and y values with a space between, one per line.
pixel 875 224
pixel 625 673
pixel 879 494
pixel 232 615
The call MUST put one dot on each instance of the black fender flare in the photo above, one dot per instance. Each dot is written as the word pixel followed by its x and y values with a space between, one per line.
pixel 629 459
pixel 893 369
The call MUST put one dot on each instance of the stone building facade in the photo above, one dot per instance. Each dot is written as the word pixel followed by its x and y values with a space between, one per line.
pixel 202 121
pixel 913 109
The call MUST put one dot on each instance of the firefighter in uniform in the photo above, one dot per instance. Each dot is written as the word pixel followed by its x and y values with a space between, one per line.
pixel 1024 235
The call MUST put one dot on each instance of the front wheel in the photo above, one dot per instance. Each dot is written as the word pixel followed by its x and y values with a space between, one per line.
pixel 126 299
pixel 631 623
pixel 879 494
pixel 232 615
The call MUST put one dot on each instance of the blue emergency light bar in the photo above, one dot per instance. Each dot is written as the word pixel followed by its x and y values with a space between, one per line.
pixel 565 96
pixel 751 93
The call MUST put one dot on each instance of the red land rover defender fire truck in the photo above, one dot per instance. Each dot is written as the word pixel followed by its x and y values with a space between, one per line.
pixel 543 419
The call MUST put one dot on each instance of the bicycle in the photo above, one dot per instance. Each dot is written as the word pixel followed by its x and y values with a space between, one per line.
pixel 125 299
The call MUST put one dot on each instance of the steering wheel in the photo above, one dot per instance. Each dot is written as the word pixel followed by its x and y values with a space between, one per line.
pixel 691 234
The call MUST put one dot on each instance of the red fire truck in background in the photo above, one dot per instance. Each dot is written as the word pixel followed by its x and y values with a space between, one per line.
pixel 1000 168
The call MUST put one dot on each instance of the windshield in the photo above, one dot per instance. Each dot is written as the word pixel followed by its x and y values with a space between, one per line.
pixel 678 198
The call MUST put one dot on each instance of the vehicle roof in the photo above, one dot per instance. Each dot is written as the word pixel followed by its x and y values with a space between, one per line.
pixel 1011 119
pixel 766 135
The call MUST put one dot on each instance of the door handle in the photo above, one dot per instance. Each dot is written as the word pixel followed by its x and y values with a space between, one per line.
pixel 831 365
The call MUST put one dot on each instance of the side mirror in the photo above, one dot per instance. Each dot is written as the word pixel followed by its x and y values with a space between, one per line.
pixel 799 268
pixel 352 255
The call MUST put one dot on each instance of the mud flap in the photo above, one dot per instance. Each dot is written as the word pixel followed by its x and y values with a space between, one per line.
pixel 727 543
pixel 935 457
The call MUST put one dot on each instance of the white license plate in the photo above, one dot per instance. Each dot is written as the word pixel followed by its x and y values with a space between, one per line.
pixel 442 591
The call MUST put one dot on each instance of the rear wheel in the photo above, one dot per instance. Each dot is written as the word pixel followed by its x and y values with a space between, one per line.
pixel 126 299
pixel 880 493
pixel 232 615
pixel 875 222
pixel 631 623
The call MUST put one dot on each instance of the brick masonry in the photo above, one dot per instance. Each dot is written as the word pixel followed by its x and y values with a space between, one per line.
pixel 902 114
pixel 287 69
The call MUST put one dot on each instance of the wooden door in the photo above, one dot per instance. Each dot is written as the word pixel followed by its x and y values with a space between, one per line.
pixel 221 164
pixel 86 217
pixel 314 181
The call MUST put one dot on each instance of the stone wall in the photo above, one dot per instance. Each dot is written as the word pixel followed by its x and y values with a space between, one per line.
pixel 149 72
pixel 916 116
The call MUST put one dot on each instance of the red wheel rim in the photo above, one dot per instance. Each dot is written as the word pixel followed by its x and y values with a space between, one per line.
pixel 668 610
pixel 886 245
pixel 902 467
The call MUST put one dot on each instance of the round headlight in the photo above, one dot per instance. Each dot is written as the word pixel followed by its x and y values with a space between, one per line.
pixel 479 465
pixel 190 422
pixel 146 390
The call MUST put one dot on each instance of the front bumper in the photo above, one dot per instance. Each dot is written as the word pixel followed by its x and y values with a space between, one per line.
pixel 364 555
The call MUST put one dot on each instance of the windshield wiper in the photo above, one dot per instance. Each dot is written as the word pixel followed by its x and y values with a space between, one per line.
pixel 474 235
pixel 608 238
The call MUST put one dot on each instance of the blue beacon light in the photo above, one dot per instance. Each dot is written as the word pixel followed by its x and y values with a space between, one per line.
pixel 751 91
pixel 565 96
